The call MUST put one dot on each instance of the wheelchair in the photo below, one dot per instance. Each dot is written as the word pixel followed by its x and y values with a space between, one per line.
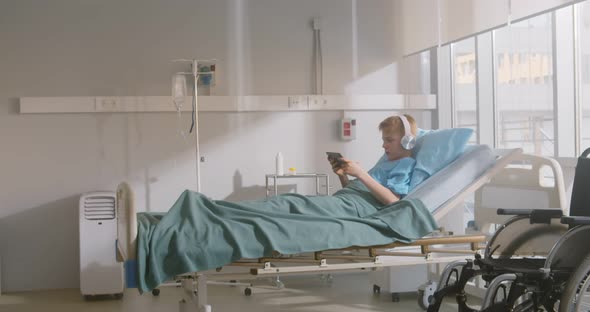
pixel 537 260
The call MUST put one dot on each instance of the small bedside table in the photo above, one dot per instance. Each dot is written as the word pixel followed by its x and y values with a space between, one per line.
pixel 316 176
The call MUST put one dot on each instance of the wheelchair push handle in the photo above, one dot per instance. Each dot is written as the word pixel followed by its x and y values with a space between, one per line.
pixel 585 153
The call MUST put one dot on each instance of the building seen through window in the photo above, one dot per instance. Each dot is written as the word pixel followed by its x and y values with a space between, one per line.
pixel 524 85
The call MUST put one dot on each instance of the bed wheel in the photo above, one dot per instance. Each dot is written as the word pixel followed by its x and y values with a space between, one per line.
pixel 278 284
pixel 395 297
pixel 327 278
pixel 155 292
pixel 119 296
pixel 248 291
pixel 376 289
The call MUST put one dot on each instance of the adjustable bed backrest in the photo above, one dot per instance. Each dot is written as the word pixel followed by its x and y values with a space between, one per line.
pixel 450 186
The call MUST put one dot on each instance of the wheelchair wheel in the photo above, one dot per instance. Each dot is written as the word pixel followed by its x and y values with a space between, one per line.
pixel 576 295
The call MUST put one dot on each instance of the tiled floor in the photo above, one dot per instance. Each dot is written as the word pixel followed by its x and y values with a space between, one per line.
pixel 346 293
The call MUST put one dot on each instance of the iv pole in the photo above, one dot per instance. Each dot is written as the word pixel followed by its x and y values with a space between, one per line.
pixel 195 73
pixel 195 67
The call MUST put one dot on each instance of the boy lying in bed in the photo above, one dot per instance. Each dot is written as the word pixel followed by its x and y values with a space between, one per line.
pixel 389 180
pixel 199 233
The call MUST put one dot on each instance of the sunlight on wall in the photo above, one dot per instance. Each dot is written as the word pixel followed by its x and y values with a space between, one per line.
pixel 383 81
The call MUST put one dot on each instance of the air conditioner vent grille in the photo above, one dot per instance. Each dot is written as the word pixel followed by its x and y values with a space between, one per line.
pixel 99 208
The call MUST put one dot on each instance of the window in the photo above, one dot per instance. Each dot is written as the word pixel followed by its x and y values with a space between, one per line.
pixel 464 85
pixel 524 85
pixel 583 18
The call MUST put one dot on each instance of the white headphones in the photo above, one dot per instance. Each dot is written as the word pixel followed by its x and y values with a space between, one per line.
pixel 408 140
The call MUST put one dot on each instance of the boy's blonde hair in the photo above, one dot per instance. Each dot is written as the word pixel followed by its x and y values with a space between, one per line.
pixel 394 124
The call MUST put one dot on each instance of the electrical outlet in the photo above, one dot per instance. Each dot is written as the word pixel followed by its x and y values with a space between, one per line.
pixel 318 102
pixel 107 104
pixel 298 102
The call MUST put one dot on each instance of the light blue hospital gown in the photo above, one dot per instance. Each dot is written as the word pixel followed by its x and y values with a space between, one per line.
pixel 398 175
pixel 394 174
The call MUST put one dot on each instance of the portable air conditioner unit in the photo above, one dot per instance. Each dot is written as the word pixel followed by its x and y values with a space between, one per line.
pixel 100 273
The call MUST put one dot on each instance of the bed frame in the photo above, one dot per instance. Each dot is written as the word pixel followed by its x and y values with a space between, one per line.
pixel 432 250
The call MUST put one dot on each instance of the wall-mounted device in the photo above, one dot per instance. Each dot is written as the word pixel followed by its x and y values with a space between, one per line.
pixel 348 129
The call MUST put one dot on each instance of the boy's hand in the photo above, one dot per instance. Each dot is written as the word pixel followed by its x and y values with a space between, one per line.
pixel 352 168
pixel 337 165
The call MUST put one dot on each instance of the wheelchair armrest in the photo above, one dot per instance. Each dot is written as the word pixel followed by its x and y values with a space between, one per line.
pixel 575 220
pixel 535 215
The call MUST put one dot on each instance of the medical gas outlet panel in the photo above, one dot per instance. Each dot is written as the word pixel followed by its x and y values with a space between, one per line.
pixel 348 129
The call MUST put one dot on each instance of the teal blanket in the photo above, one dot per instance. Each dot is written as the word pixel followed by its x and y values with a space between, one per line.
pixel 199 233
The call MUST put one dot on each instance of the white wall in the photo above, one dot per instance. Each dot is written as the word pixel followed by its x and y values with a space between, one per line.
pixel 111 47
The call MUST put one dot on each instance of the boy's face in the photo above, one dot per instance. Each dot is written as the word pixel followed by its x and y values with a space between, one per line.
pixel 393 146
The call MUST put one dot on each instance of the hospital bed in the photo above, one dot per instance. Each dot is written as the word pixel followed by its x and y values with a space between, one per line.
pixel 440 193
pixel 538 258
